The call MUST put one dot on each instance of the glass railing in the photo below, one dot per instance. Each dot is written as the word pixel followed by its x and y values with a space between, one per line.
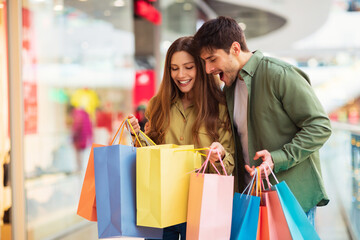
pixel 340 158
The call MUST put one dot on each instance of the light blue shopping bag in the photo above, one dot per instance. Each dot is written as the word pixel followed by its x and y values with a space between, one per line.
pixel 298 223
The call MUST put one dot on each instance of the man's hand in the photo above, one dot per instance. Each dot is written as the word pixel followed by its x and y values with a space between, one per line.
pixel 214 157
pixel 267 162
pixel 134 123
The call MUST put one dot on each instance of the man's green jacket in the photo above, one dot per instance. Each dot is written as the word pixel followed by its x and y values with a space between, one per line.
pixel 286 118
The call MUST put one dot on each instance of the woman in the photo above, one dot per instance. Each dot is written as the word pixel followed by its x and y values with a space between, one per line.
pixel 189 108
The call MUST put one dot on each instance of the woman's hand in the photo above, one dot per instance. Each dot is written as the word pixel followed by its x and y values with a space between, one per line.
pixel 216 147
pixel 134 123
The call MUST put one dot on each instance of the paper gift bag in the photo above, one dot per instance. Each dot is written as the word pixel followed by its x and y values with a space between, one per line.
pixel 275 221
pixel 298 223
pixel 245 216
pixel 115 169
pixel 210 205
pixel 263 225
pixel 87 202
pixel 162 183
pixel 278 228
pixel 284 205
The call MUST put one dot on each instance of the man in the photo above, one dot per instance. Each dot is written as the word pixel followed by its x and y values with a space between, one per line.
pixel 274 112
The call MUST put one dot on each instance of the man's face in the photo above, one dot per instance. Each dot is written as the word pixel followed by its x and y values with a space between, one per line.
pixel 219 62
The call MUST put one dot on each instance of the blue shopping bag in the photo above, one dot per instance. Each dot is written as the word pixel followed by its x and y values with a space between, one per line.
pixel 115 168
pixel 298 223
pixel 245 216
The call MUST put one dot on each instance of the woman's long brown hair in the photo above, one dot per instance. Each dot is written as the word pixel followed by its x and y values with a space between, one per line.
pixel 207 96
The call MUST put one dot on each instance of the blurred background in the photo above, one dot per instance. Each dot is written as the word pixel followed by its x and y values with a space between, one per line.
pixel 71 70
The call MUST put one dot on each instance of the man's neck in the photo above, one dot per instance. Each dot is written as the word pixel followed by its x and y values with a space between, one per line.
pixel 244 58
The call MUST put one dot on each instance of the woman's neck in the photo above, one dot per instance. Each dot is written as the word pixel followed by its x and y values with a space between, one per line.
pixel 187 99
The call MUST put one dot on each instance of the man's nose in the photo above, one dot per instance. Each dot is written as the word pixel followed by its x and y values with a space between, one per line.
pixel 209 68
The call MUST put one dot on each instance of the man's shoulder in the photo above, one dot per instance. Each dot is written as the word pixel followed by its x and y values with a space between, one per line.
pixel 279 67
pixel 276 63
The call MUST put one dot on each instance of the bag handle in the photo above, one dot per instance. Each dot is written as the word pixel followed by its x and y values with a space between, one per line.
pixel 267 179
pixel 122 126
pixel 272 172
pixel 250 185
pixel 117 132
pixel 131 127
pixel 146 138
pixel 204 165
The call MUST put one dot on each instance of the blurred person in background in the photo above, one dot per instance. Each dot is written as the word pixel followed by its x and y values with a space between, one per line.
pixel 189 108
pixel 275 113
pixel 140 116
pixel 82 133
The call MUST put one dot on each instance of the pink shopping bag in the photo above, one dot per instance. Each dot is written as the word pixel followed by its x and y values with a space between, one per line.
pixel 210 205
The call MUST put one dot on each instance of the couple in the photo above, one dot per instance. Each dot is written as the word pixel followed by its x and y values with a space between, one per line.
pixel 267 109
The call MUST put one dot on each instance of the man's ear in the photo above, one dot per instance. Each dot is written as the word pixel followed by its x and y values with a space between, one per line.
pixel 235 48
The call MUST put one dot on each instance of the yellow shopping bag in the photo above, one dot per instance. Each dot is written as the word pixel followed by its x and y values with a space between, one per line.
pixel 162 183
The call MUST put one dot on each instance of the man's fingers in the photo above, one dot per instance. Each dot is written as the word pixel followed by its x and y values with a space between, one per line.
pixel 261 154
pixel 250 169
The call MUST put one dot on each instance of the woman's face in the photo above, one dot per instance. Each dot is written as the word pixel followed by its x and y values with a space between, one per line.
pixel 183 71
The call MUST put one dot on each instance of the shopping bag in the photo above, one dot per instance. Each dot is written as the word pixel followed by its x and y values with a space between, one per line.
pixel 298 223
pixel 210 204
pixel 162 183
pixel 263 225
pixel 274 220
pixel 278 228
pixel 87 201
pixel 245 216
pixel 115 168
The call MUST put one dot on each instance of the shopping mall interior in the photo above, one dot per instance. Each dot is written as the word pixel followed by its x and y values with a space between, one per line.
pixel 71 63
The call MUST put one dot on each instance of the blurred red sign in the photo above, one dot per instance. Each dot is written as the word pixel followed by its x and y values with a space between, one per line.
pixel 144 88
pixel 29 74
pixel 147 11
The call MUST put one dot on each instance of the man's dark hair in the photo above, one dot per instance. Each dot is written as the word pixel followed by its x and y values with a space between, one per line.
pixel 220 33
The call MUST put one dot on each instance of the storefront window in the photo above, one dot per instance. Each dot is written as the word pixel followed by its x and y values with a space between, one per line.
pixel 5 190
pixel 78 73
pixel 179 19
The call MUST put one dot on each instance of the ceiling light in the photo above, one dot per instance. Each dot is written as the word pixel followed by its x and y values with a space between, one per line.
pixel 119 3
pixel 58 5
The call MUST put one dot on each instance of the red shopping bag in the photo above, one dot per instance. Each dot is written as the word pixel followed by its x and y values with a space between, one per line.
pixel 277 225
pixel 263 226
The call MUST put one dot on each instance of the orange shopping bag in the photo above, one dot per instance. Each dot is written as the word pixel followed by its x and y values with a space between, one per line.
pixel 87 201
